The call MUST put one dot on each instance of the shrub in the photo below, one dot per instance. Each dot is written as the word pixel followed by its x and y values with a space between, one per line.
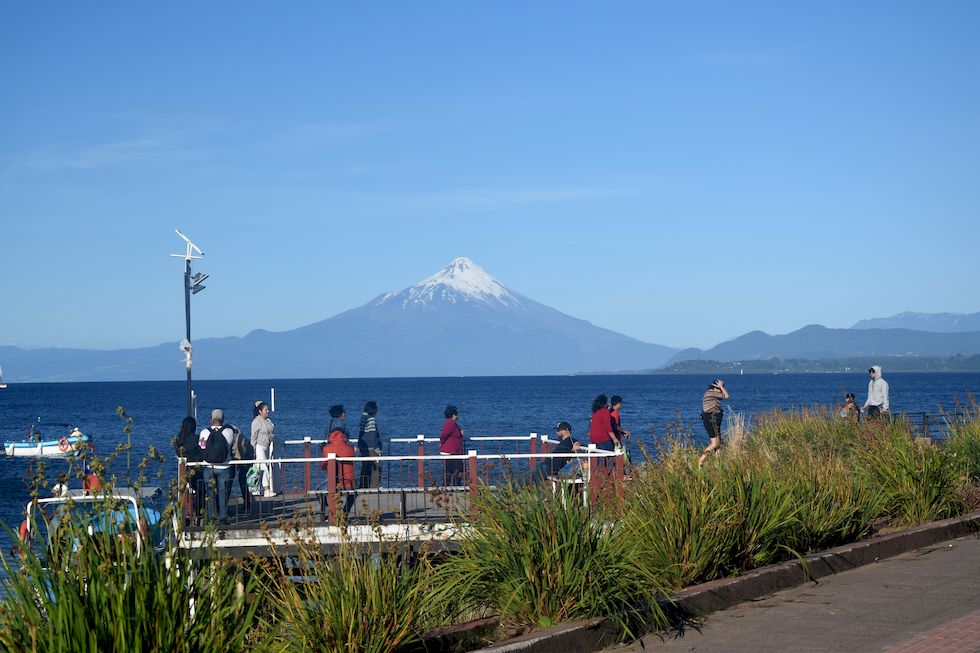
pixel 535 558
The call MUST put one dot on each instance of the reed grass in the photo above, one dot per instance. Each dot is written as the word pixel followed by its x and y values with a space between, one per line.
pixel 89 591
pixel 536 558
pixel 351 600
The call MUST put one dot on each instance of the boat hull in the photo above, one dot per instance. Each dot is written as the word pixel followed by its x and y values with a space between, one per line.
pixel 46 448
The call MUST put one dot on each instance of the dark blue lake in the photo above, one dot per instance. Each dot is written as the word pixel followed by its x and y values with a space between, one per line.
pixel 407 407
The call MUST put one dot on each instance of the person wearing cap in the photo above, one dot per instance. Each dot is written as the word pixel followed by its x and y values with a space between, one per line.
pixel 877 401
pixel 711 414
pixel 551 466
pixel 216 476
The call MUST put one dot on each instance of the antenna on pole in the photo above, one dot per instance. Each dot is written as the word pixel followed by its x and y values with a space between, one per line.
pixel 191 248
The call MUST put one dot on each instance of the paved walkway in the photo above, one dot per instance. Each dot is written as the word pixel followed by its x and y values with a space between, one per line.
pixel 923 601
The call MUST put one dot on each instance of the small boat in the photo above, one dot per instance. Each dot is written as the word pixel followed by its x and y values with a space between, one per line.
pixel 123 511
pixel 2 384
pixel 38 445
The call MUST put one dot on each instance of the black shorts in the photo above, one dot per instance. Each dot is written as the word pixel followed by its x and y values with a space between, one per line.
pixel 712 424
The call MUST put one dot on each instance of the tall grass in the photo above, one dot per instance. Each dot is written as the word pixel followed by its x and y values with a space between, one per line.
pixel 352 600
pixel 536 558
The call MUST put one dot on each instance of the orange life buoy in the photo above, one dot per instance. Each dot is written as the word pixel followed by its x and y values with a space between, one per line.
pixel 63 444
pixel 23 530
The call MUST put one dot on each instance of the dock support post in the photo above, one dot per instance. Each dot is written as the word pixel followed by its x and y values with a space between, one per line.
pixel 421 479
pixel 534 450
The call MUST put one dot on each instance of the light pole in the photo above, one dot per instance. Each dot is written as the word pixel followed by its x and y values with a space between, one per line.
pixel 192 286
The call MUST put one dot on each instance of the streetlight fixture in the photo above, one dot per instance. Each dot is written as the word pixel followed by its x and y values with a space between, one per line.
pixel 192 286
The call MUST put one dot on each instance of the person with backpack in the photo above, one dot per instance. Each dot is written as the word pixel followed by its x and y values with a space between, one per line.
pixel 216 442
pixel 241 449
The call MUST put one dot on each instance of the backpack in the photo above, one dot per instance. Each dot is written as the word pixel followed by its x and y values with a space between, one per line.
pixel 216 449
pixel 241 447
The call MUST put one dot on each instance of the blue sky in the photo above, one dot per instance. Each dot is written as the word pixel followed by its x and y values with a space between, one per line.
pixel 681 172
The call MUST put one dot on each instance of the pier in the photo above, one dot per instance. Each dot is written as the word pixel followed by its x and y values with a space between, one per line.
pixel 417 503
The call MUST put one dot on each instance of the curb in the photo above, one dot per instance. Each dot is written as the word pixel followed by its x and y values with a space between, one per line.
pixel 703 599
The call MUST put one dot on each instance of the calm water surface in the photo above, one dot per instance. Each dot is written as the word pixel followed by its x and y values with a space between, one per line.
pixel 407 407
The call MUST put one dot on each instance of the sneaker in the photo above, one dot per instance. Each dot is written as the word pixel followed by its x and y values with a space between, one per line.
pixel 269 493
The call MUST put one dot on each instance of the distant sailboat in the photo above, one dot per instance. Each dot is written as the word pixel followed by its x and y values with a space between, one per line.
pixel 2 384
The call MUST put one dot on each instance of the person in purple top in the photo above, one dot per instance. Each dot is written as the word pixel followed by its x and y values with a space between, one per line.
pixel 451 443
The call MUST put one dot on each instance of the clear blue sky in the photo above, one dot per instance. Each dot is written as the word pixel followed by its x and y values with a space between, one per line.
pixel 681 172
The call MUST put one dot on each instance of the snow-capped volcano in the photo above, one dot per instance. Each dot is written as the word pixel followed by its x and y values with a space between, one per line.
pixel 460 281
pixel 459 321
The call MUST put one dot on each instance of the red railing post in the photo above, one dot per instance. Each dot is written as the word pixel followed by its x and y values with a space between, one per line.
pixel 332 488
pixel 545 445
pixel 421 439
pixel 306 447
pixel 474 485
pixel 534 450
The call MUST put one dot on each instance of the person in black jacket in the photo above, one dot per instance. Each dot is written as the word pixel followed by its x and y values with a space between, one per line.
pixel 188 446
pixel 551 466
pixel 369 444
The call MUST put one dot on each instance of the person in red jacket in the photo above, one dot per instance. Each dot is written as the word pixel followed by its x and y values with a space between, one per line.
pixel 602 433
pixel 337 444
pixel 451 442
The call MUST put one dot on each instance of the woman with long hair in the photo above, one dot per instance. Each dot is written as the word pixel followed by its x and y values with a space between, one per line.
pixel 263 440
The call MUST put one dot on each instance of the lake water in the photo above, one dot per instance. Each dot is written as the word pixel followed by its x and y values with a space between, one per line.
pixel 407 407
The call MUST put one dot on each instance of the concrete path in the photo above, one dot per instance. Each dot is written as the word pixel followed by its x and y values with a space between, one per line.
pixel 925 600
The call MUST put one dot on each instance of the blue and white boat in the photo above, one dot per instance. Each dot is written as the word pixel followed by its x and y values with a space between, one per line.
pixel 41 443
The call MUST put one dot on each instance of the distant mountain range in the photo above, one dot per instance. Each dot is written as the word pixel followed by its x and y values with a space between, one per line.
pixel 463 322
pixel 460 321
pixel 818 342
pixel 938 322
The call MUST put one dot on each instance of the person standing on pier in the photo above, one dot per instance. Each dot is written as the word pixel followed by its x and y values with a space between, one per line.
pixel 369 444
pixel 877 402
pixel 615 405
pixel 188 447
pixel 602 433
pixel 711 414
pixel 216 473
pixel 339 445
pixel 451 443
pixel 263 440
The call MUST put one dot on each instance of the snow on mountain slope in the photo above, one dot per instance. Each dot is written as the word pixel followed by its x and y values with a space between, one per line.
pixel 460 281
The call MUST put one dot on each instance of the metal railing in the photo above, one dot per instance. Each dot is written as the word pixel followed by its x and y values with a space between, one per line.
pixel 421 486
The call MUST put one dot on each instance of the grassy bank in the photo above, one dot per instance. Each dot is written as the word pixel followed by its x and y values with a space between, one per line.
pixel 797 483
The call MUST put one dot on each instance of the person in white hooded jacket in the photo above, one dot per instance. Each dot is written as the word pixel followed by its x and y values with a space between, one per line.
pixel 877 402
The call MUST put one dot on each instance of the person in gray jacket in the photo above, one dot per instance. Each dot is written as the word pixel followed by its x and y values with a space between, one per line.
pixel 369 444
pixel 877 402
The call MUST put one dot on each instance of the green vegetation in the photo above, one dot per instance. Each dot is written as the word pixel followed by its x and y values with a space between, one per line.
pixel 798 482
